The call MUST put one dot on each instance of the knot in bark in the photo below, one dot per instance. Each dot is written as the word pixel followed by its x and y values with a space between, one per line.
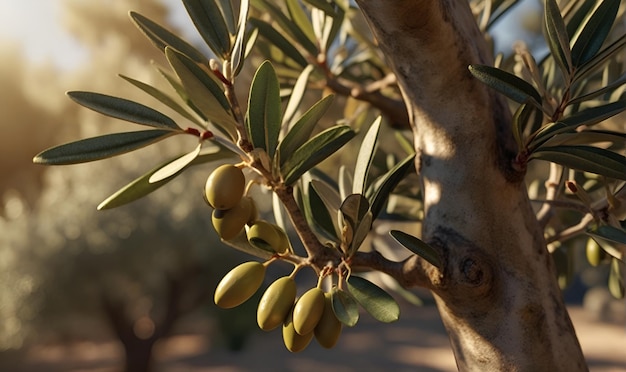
pixel 472 272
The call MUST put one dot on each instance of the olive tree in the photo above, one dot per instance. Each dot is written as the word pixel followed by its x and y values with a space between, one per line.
pixel 481 129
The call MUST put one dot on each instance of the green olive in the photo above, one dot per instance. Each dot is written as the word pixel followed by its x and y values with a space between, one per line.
pixel 228 223
pixel 239 284
pixel 263 233
pixel 294 341
pixel 276 303
pixel 595 253
pixel 283 246
pixel 225 186
pixel 308 311
pixel 329 327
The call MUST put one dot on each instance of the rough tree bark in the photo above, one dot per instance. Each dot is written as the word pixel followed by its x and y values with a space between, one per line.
pixel 497 292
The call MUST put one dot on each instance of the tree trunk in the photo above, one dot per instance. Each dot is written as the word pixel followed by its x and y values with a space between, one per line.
pixel 497 291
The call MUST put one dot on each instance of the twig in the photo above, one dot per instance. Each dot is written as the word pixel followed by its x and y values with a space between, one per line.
pixel 572 230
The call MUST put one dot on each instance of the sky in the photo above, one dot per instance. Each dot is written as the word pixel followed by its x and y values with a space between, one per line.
pixel 34 25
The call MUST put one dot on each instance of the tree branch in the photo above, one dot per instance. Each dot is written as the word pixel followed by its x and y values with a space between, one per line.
pixel 412 272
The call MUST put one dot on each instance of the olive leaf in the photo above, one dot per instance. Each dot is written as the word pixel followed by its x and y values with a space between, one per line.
pixel 175 166
pixel 161 38
pixel 508 84
pixel 418 247
pixel 376 301
pixel 345 307
pixel 100 147
pixel 321 214
pixel 123 109
pixel 270 33
pixel 204 90
pixel 300 18
pixel 365 156
pixel 558 40
pixel 238 52
pixel 297 93
pixel 210 23
pixel 591 37
pixel 301 130
pixel 141 186
pixel 288 25
pixel 378 192
pixel 315 151
pixel 163 98
pixel 611 234
pixel 585 158
pixel 354 209
pixel 264 109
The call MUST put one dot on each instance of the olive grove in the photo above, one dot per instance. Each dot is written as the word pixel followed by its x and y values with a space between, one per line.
pixel 471 132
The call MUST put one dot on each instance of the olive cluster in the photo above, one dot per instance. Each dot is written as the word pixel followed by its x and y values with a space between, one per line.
pixel 309 316
pixel 224 191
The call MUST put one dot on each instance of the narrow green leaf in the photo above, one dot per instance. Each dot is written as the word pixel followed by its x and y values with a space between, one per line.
pixel 209 22
pixel 297 93
pixel 226 6
pixel 324 5
pixel 300 18
pixel 376 301
pixel 360 233
pixel 379 191
pixel 204 91
pixel 609 88
pixel 123 109
pixel 575 23
pixel 616 279
pixel 594 115
pixel 301 131
pixel 264 110
pixel 345 307
pixel 314 151
pixel 508 84
pixel 595 31
pixel 600 59
pixel 175 166
pixel 163 98
pixel 558 40
pixel 585 158
pixel 608 232
pixel 267 31
pixel 238 53
pixel 288 26
pixel 321 214
pixel 161 38
pixel 418 247
pixel 365 156
pixel 100 147
pixel 141 186
pixel 354 208
pixel 586 137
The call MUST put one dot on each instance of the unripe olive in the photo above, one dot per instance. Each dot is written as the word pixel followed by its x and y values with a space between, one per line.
pixel 239 284
pixel 294 341
pixel 283 245
pixel 308 311
pixel 265 233
pixel 595 253
pixel 225 186
pixel 276 303
pixel 228 223
pixel 329 327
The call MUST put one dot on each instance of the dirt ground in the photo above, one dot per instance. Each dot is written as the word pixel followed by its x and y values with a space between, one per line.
pixel 415 343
